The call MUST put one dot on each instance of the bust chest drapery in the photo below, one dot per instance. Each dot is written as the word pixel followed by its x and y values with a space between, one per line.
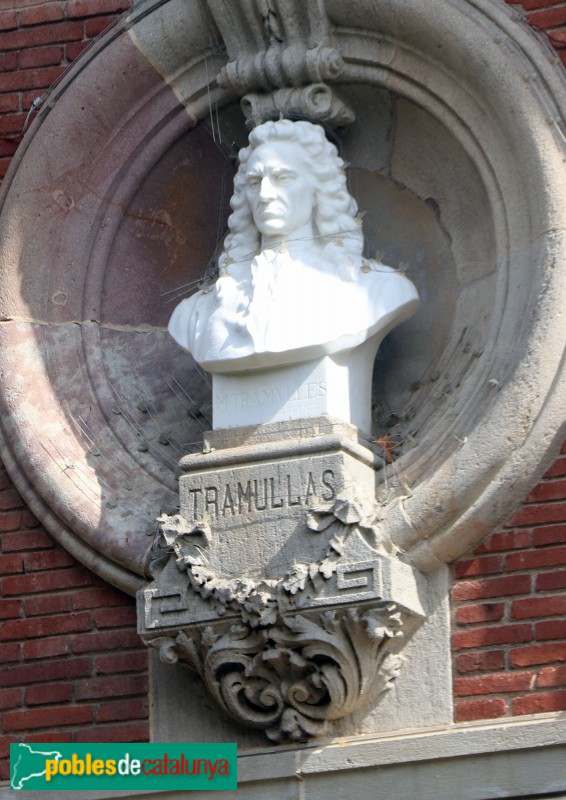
pixel 278 304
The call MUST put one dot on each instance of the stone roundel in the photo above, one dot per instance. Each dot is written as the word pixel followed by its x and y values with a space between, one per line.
pixel 118 198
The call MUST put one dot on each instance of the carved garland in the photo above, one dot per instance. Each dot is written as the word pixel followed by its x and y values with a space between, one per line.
pixel 263 601
pixel 286 673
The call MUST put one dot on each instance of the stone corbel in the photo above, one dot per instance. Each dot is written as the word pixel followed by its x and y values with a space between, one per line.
pixel 288 649
pixel 282 59
pixel 292 679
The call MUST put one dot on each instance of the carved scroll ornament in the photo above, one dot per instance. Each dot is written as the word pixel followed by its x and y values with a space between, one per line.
pixel 282 60
pixel 293 678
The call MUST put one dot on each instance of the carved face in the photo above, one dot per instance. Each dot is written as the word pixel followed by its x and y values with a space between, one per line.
pixel 279 188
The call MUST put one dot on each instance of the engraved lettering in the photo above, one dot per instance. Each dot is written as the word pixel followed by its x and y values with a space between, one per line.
pixel 328 481
pixel 256 495
pixel 193 497
pixel 311 488
pixel 245 494
pixel 228 502
pixel 268 492
pixel 304 397
pixel 279 504
pixel 211 499
pixel 290 501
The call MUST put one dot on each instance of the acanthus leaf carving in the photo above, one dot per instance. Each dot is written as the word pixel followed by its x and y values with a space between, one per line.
pixel 292 678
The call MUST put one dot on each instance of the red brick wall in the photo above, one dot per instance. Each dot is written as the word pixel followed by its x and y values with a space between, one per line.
pixel 509 598
pixel 72 666
pixel 509 604
pixel 38 41
pixel 549 16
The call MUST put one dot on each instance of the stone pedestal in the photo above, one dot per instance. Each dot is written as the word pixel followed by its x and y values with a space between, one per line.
pixel 337 385
pixel 276 586
pixel 419 698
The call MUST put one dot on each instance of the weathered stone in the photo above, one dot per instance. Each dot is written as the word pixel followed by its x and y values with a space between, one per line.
pixel 469 391
pixel 276 563
pixel 286 51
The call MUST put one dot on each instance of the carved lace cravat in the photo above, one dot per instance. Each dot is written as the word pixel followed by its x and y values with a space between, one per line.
pixel 266 270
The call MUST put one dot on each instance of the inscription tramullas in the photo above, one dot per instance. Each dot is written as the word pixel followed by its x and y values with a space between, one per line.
pixel 258 494
pixel 257 513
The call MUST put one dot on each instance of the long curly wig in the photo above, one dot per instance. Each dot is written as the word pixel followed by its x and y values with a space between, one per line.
pixel 335 220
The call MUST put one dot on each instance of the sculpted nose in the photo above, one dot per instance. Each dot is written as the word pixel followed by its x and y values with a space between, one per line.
pixel 267 189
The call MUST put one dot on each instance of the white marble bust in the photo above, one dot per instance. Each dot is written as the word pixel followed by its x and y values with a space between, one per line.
pixel 293 285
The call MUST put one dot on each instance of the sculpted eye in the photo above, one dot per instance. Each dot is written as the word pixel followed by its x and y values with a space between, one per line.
pixel 253 181
pixel 284 177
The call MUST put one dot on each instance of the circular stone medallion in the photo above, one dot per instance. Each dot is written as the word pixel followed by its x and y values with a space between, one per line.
pixel 117 201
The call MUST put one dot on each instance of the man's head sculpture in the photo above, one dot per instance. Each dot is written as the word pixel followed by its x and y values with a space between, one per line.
pixel 293 284
pixel 317 170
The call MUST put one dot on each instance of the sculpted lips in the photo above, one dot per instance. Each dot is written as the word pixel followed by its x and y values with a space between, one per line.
pixel 271 210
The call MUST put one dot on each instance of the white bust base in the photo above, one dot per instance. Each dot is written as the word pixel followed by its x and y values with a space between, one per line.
pixel 338 385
